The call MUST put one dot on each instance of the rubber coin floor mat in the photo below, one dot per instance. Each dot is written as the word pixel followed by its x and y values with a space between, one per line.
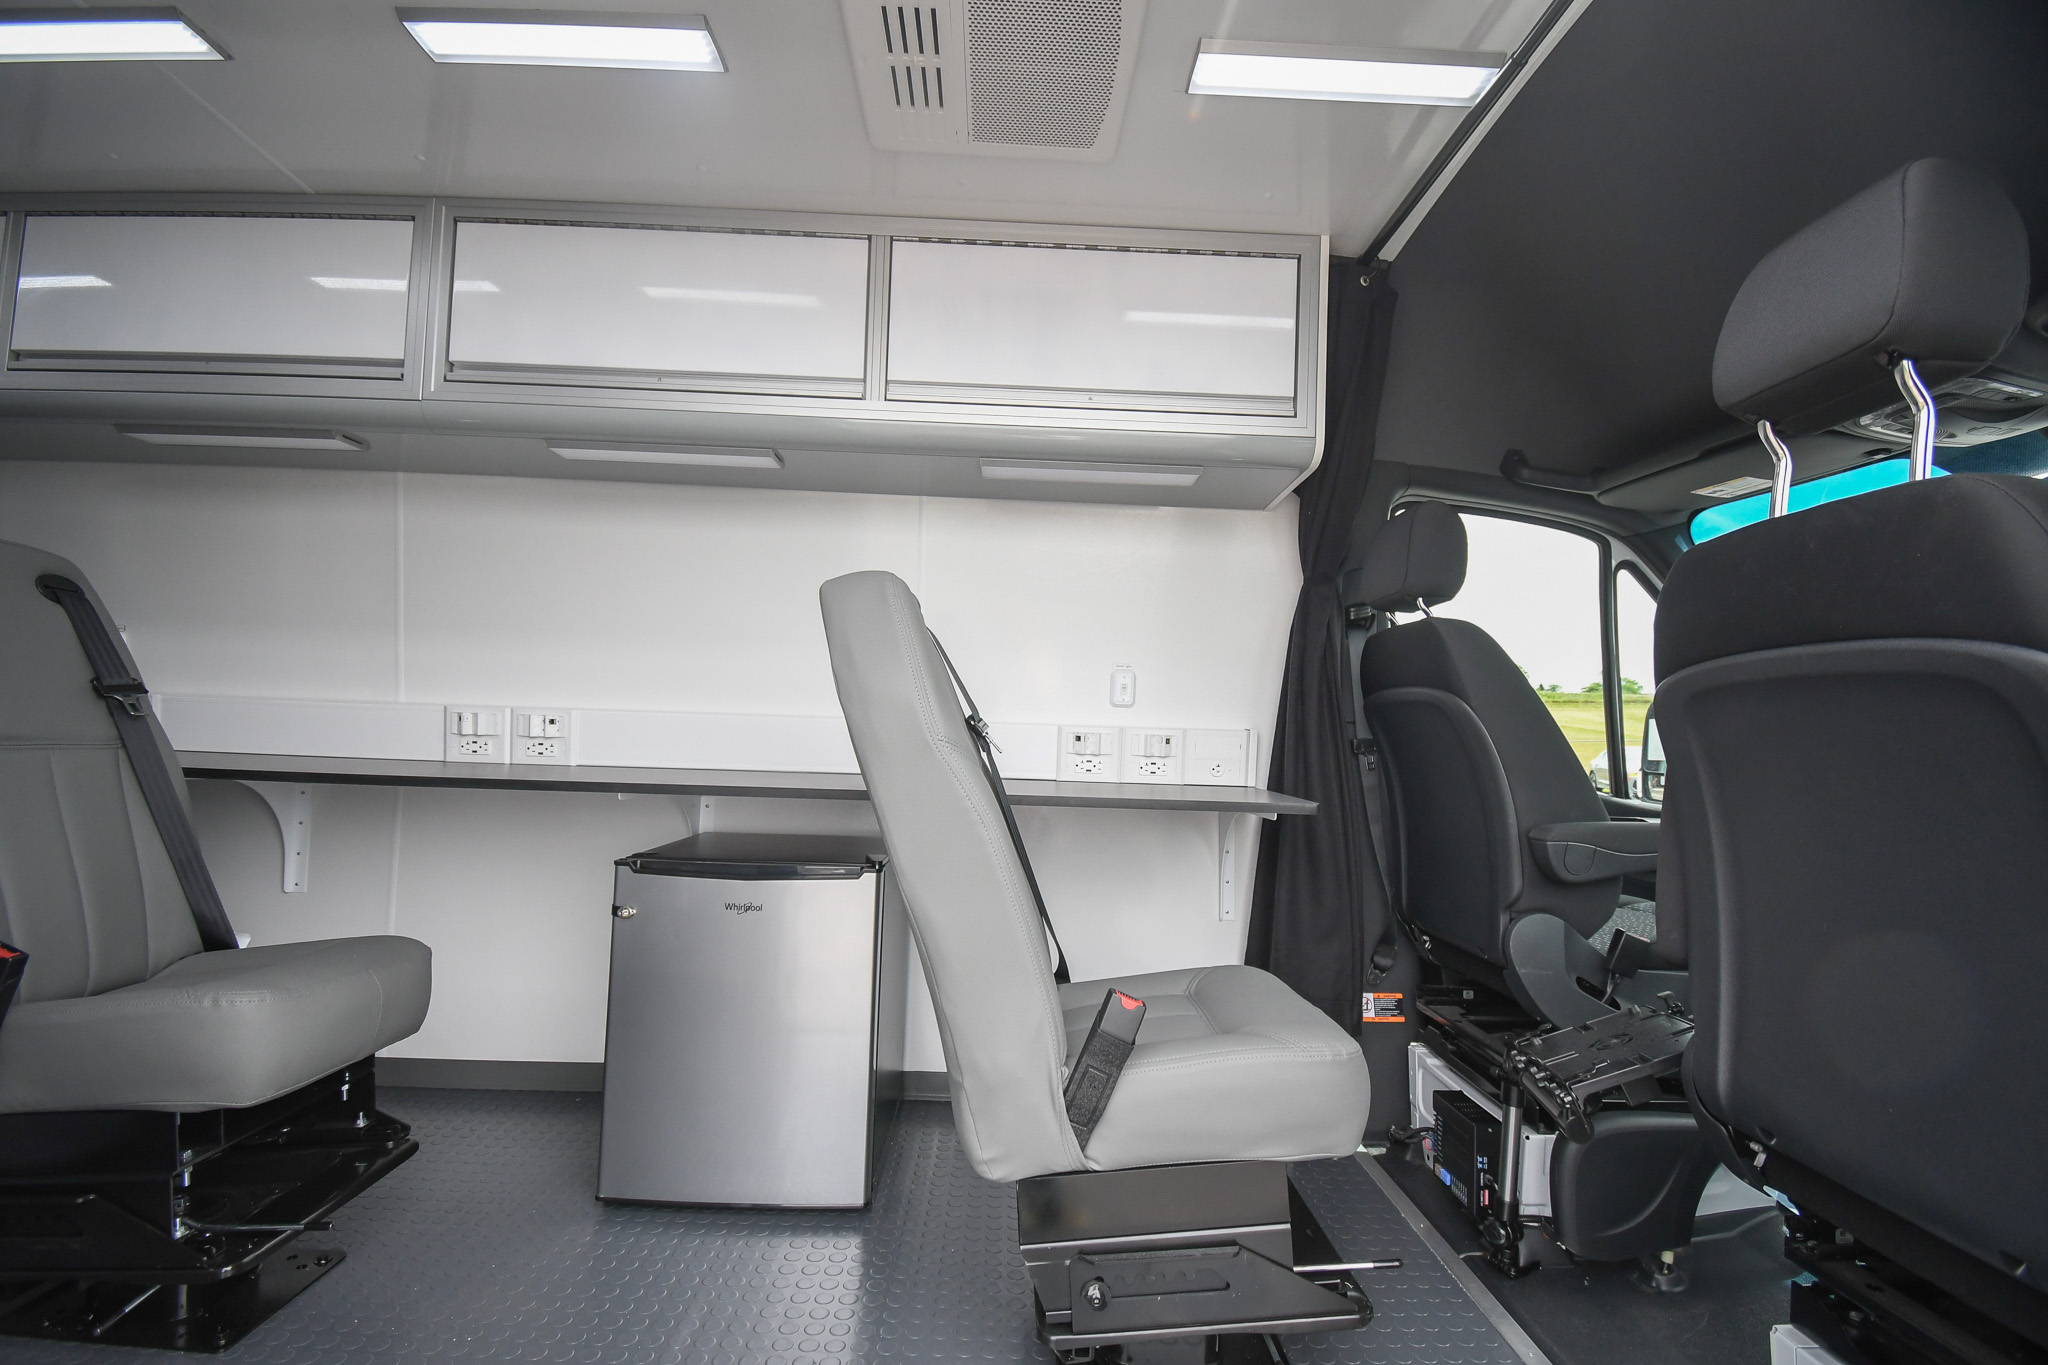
pixel 488 1246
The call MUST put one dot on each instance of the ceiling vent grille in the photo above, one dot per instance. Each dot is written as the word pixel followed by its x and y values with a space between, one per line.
pixel 1042 75
pixel 917 72
pixel 1036 78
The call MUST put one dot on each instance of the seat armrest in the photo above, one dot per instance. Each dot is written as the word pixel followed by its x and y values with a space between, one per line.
pixel 1595 850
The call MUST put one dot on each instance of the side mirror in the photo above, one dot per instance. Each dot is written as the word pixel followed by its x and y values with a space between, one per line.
pixel 1653 758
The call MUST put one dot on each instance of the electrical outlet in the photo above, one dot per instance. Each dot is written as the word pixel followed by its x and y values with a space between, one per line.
pixel 1218 758
pixel 1152 756
pixel 474 734
pixel 540 735
pixel 1087 754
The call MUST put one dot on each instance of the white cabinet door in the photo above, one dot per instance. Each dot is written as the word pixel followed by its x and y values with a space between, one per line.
pixel 659 307
pixel 1093 327
pixel 140 291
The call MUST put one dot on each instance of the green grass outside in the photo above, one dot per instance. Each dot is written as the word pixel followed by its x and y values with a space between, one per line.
pixel 1584 721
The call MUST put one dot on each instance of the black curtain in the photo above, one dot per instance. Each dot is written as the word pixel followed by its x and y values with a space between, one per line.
pixel 1314 920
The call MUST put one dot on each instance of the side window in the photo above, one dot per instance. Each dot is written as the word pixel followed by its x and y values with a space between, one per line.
pixel 1635 619
pixel 1536 589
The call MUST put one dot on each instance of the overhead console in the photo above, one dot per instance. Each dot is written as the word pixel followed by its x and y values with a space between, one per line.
pixel 2007 398
pixel 777 350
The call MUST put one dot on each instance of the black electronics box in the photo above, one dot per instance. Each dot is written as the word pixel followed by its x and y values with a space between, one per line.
pixel 1467 1150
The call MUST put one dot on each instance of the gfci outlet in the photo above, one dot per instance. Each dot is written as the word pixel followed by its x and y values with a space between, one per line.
pixel 474 734
pixel 540 735
pixel 1087 754
pixel 1153 756
pixel 1218 758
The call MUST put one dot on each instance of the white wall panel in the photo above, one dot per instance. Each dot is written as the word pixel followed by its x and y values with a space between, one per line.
pixel 298 288
pixel 317 585
pixel 633 596
pixel 327 729
pixel 1037 604
pixel 657 739
pixel 1091 320
pixel 560 297
pixel 229 582
pixel 513 892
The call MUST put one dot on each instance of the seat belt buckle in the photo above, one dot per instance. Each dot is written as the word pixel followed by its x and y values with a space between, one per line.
pixel 131 694
pixel 1101 1060
pixel 12 961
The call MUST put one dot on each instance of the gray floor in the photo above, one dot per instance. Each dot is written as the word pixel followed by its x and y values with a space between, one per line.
pixel 488 1246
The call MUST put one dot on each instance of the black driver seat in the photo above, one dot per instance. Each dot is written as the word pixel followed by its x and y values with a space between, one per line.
pixel 1509 862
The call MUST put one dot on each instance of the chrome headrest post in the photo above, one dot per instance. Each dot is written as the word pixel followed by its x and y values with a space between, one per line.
pixel 1922 403
pixel 1781 469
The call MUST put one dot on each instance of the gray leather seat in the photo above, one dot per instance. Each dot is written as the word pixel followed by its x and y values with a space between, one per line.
pixel 1508 861
pixel 1229 1064
pixel 119 1008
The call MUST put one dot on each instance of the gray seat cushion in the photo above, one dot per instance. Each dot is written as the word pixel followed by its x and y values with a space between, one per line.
pixel 1230 1065
pixel 216 1030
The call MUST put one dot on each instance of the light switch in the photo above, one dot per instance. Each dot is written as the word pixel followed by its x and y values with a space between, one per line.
pixel 1123 687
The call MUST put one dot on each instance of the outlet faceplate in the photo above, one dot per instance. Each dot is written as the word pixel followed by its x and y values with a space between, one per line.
pixel 1087 754
pixel 1218 758
pixel 541 734
pixel 1153 756
pixel 474 734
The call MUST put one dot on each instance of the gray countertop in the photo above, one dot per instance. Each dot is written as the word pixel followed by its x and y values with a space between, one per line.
pixel 399 772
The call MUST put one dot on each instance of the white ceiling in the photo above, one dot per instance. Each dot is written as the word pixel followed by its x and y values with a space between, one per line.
pixel 333 97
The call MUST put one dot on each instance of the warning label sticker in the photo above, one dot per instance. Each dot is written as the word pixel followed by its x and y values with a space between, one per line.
pixel 1383 1007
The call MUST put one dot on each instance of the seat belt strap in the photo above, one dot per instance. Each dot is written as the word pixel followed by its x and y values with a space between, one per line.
pixel 128 703
pixel 1373 777
pixel 1101 1061
pixel 978 727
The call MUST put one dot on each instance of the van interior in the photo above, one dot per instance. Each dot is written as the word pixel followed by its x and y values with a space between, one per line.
pixel 1210 683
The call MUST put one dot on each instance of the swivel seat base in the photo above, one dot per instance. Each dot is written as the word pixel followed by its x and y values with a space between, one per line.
pixel 180 1230
pixel 1181 1265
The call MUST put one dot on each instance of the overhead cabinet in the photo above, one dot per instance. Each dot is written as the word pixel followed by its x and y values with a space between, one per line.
pixel 1092 326
pixel 322 295
pixel 659 307
pixel 784 350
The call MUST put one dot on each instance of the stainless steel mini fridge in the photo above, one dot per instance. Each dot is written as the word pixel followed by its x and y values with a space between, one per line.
pixel 754 1040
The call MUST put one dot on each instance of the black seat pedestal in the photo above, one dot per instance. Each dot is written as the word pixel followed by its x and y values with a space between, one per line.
pixel 174 1230
pixel 1180 1265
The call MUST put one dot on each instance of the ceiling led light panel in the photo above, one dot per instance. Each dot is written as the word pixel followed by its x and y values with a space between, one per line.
pixel 102 35
pixel 1075 471
pixel 1366 75
pixel 714 457
pixel 643 42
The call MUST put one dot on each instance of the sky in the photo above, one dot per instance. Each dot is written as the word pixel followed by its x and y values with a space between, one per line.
pixel 1536 590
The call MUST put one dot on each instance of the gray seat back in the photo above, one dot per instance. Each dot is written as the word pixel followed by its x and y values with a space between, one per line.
pixel 1475 758
pixel 1854 707
pixel 86 888
pixel 971 909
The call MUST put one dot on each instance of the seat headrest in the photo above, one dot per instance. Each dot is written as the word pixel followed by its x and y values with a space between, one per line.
pixel 1930 263
pixel 1418 558
pixel 1943 559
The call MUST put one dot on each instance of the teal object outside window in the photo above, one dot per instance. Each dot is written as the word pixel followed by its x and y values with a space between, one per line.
pixel 2026 454
pixel 1729 516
